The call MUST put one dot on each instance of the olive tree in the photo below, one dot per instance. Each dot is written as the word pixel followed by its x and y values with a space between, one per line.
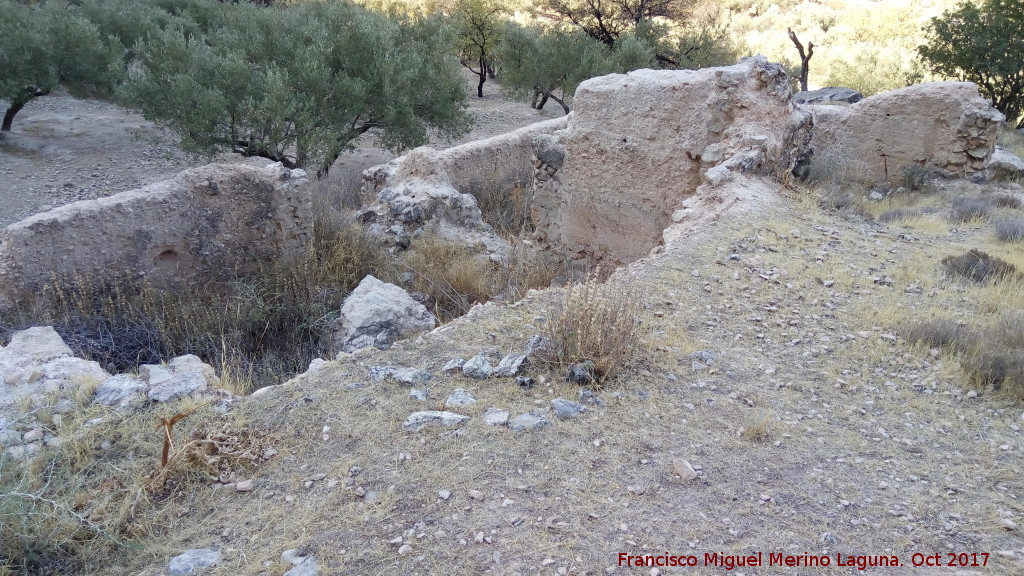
pixel 539 64
pixel 43 46
pixel 983 44
pixel 297 84
pixel 478 25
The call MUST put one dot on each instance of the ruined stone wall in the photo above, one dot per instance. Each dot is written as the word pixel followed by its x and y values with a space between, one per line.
pixel 501 160
pixel 639 144
pixel 206 223
pixel 941 127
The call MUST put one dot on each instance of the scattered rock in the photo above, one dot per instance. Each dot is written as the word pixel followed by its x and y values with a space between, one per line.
pixel 121 390
pixel 566 408
pixel 444 494
pixel 301 565
pixel 478 367
pixel 475 495
pixel 525 382
pixel 191 561
pixel 453 365
pixel 378 314
pixel 706 356
pixel 510 365
pixel 537 344
pixel 417 420
pixel 590 398
pixel 495 417
pixel 411 376
pixel 581 373
pixel 420 395
pixel 244 486
pixel 683 469
pixel 1003 165
pixel 180 377
pixel 527 421
pixel 458 398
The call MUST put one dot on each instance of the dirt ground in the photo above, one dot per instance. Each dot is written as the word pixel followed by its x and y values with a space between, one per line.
pixel 63 149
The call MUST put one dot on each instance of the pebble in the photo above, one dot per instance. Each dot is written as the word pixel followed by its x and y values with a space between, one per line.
pixel 444 494
pixel 475 494
pixel 244 486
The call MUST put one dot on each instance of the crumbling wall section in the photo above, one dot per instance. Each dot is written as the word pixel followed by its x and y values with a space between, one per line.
pixel 639 144
pixel 207 223
pixel 499 160
pixel 944 128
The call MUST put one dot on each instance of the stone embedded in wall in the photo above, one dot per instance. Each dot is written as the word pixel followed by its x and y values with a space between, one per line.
pixel 437 187
pixel 828 95
pixel 638 145
pixel 941 127
pixel 205 223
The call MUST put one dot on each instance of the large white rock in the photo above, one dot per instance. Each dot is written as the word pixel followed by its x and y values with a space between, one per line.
pixel 1004 165
pixel 417 420
pixel 37 363
pixel 941 127
pixel 377 314
pixel 181 376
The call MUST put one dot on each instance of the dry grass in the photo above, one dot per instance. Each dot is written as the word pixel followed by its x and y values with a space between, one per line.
pixel 1013 141
pixel 1009 227
pixel 94 493
pixel 594 323
pixel 505 207
pixel 970 208
pixel 259 330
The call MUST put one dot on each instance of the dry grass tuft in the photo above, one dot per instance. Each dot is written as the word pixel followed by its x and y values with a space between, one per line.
pixel 898 215
pixel 596 323
pixel 1003 200
pixel 1009 227
pixel 941 333
pixel 990 357
pixel 968 208
pixel 978 266
pixel 758 427
pixel 452 277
